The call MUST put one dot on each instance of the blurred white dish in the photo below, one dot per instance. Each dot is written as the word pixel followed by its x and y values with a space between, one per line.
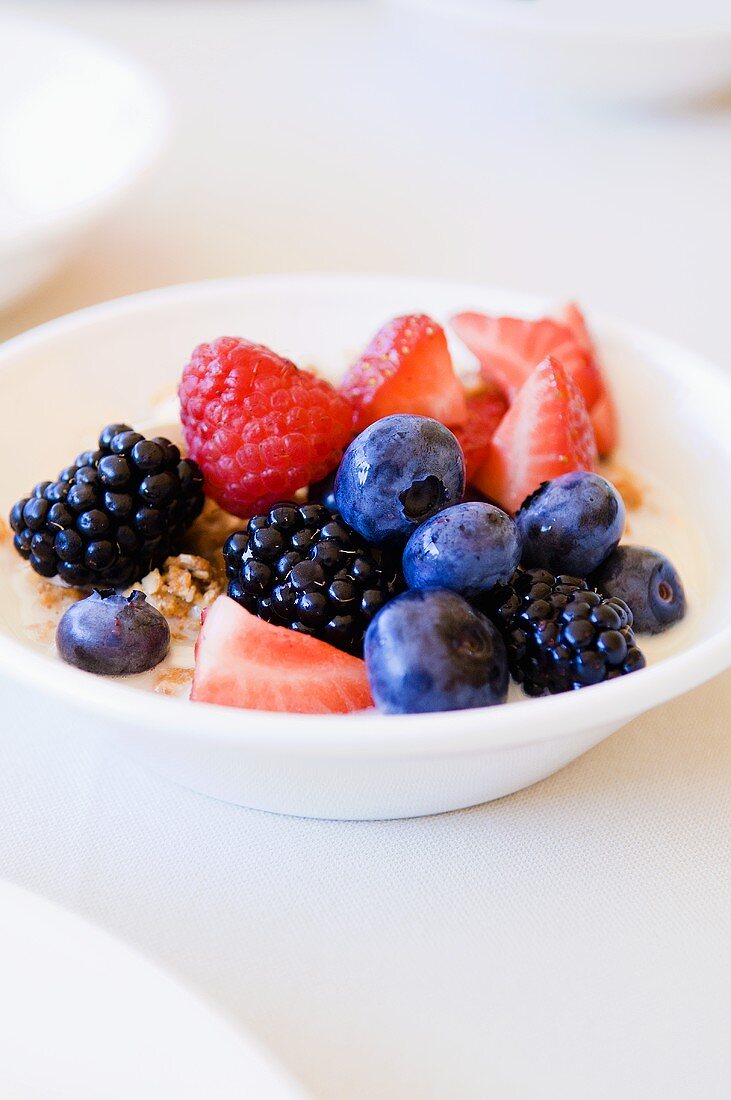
pixel 633 50
pixel 78 123
pixel 85 1016
pixel 674 411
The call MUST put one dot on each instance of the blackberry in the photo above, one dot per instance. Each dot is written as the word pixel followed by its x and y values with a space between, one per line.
pixel 113 514
pixel 560 634
pixel 301 566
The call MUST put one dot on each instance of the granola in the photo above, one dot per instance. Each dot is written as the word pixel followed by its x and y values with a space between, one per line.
pixel 627 484
pixel 181 590
pixel 172 681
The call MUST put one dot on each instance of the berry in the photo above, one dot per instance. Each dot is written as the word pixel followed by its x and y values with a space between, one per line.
pixel 396 474
pixel 603 410
pixel 406 368
pixel 485 409
pixel 605 422
pixel 242 661
pixel 509 349
pixel 560 635
pixel 260 428
pixel 113 635
pixel 546 432
pixel 468 548
pixel 301 566
pixel 648 582
pixel 571 524
pixel 113 515
pixel 323 491
pixel 431 651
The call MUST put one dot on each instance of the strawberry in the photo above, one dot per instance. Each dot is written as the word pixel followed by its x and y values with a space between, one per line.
pixel 486 407
pixel 509 348
pixel 406 368
pixel 243 661
pixel 603 411
pixel 545 432
pixel 573 319
pixel 605 422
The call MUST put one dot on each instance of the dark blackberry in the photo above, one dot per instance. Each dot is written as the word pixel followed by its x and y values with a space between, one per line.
pixel 111 516
pixel 301 566
pixel 560 634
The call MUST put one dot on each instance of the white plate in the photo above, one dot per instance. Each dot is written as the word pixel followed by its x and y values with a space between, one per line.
pixel 78 123
pixel 105 364
pixel 85 1017
pixel 629 51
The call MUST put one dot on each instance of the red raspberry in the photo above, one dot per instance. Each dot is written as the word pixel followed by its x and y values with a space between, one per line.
pixel 259 427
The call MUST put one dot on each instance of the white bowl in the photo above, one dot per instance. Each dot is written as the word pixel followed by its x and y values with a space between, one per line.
pixel 645 51
pixel 78 124
pixel 68 378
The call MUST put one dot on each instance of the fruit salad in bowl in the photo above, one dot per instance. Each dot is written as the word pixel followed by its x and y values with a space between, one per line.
pixel 344 572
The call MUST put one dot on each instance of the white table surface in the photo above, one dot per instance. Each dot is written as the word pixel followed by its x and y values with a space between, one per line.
pixel 569 941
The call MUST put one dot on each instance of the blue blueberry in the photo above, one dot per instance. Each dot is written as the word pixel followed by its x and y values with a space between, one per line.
pixel 113 635
pixel 428 650
pixel 396 474
pixel 571 524
pixel 648 582
pixel 469 548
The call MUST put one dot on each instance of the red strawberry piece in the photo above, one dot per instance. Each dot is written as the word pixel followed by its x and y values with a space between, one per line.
pixel 259 428
pixel 485 409
pixel 406 368
pixel 603 411
pixel 509 349
pixel 573 318
pixel 605 422
pixel 243 661
pixel 545 432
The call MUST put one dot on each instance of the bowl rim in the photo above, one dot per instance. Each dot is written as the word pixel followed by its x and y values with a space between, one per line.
pixel 367 733
pixel 158 123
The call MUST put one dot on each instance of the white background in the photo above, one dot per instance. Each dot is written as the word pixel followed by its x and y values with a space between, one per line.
pixel 572 940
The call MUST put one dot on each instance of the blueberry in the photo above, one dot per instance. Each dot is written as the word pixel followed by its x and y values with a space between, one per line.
pixel 113 635
pixel 428 650
pixel 571 524
pixel 648 582
pixel 396 474
pixel 469 548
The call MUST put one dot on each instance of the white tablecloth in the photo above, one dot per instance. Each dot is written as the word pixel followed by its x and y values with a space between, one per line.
pixel 569 941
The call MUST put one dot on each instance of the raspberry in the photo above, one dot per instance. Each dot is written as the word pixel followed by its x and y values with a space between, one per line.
pixel 259 427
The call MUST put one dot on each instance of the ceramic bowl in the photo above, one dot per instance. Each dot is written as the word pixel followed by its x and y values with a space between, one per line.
pixel 68 378
pixel 627 52
pixel 78 124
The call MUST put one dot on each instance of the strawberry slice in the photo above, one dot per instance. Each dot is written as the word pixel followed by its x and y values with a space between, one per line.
pixel 406 368
pixel 509 349
pixel 573 318
pixel 603 411
pixel 605 422
pixel 486 407
pixel 243 661
pixel 545 432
